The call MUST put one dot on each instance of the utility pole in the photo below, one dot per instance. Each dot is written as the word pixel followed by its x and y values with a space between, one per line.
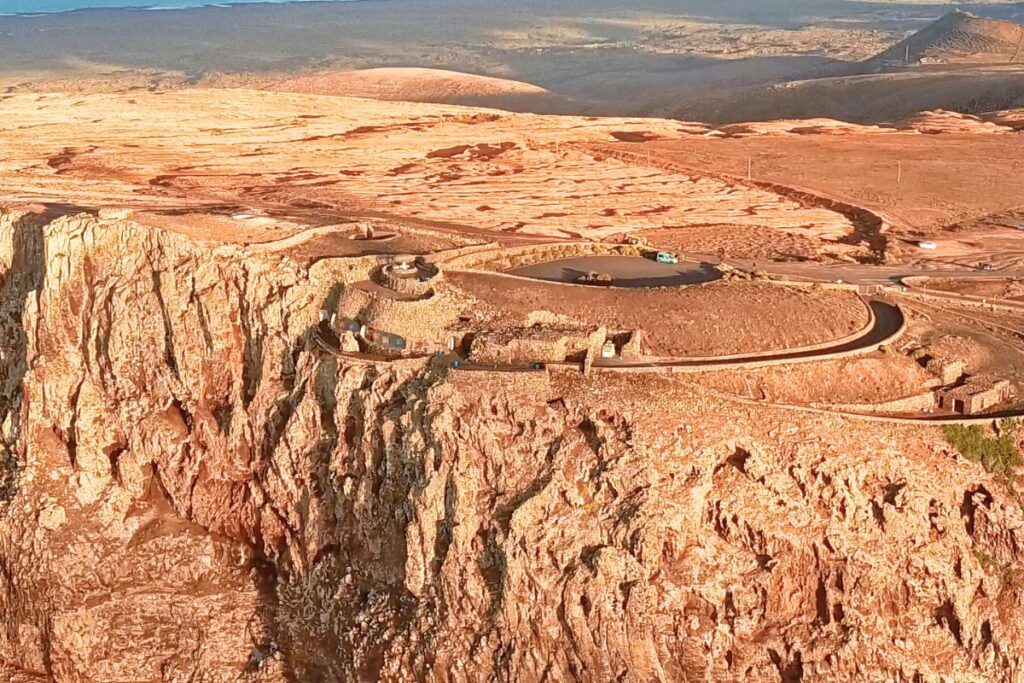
pixel 750 168
pixel 899 171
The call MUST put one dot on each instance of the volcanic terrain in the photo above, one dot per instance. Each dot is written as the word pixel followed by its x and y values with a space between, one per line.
pixel 733 62
pixel 288 391
pixel 430 85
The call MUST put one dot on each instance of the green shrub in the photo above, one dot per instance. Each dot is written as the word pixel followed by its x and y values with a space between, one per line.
pixel 996 454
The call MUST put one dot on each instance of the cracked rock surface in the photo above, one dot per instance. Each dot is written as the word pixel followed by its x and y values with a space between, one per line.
pixel 191 491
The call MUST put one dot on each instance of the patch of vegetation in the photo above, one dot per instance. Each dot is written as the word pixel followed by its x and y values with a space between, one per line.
pixel 1006 573
pixel 997 454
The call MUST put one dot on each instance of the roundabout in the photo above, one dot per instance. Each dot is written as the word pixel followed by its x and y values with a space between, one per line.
pixel 622 271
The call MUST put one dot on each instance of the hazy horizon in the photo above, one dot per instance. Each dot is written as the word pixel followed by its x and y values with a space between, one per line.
pixel 53 6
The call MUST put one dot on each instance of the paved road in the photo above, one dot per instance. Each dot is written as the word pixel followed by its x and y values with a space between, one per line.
pixel 861 274
pixel 626 271
pixel 889 321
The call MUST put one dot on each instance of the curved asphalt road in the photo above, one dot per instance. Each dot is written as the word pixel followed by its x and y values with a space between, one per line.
pixel 626 271
pixel 889 320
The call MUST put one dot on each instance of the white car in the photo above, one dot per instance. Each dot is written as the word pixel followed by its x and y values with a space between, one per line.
pixel 931 246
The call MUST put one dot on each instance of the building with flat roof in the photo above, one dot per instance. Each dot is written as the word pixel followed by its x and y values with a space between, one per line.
pixel 974 396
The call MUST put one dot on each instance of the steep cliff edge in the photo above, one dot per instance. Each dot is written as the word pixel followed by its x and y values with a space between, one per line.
pixel 191 491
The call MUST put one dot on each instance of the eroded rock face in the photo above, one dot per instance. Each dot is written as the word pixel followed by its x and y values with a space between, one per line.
pixel 191 491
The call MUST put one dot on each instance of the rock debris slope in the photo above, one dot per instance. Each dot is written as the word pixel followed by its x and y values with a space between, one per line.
pixel 191 491
pixel 960 37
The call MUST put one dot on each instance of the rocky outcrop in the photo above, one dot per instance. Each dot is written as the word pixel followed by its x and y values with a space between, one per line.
pixel 957 37
pixel 191 491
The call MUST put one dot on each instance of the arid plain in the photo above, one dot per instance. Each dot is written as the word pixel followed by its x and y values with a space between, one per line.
pixel 304 381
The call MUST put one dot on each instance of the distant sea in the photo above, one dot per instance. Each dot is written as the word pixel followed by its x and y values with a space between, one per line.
pixel 9 7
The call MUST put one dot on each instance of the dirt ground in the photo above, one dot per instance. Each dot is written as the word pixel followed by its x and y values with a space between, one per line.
pixel 508 174
pixel 868 379
pixel 706 320
pixel 970 182
pixel 987 345
pixel 333 245
pixel 735 241
pixel 995 289
pixel 237 228
pixel 943 179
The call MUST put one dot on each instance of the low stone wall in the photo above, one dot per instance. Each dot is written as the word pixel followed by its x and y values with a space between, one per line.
pixel 500 259
pixel 767 355
pixel 424 323
pixel 918 403
pixel 296 239
pixel 512 347
pixel 410 285
pixel 806 284
pixel 450 256
pixel 765 362
pixel 889 419
pixel 917 285
pixel 340 270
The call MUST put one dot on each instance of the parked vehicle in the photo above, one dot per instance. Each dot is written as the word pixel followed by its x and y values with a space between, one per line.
pixel 594 278
pixel 986 266
pixel 931 246
pixel 666 257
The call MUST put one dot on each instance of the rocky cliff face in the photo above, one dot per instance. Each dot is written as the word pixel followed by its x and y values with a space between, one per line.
pixel 190 491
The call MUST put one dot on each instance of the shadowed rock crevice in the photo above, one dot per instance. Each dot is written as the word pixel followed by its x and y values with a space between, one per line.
pixel 252 368
pixel 503 512
pixel 361 553
pixel 945 616
pixel 345 519
pixel 169 354
pixel 24 276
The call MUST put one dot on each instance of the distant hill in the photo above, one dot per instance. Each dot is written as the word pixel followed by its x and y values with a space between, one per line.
pixel 437 86
pixel 959 37
pixel 868 98
pixel 961 63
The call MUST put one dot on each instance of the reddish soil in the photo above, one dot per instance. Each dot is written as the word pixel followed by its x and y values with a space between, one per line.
pixel 995 289
pixel 427 85
pixel 960 37
pixel 945 179
pixel 736 241
pixel 220 228
pixel 871 379
pixel 510 175
pixel 708 320
pixel 333 245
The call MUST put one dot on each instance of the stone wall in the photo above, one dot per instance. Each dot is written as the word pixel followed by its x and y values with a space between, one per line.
pixel 525 346
pixel 416 284
pixel 918 403
pixel 500 259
